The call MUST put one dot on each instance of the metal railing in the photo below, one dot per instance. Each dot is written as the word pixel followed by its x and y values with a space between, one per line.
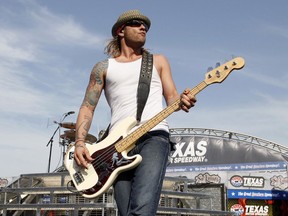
pixel 50 194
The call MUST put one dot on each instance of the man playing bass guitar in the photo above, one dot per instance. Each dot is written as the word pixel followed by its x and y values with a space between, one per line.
pixel 137 191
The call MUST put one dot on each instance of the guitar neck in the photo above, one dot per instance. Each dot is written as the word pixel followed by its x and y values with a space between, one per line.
pixel 143 129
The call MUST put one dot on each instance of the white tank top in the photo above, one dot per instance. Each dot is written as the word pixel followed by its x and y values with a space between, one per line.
pixel 121 93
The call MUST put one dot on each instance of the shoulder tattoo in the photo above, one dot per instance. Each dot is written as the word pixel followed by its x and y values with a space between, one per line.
pixel 99 70
pixel 96 84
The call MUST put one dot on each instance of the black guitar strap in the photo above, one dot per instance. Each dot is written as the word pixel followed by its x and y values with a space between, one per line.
pixel 144 82
pixel 143 87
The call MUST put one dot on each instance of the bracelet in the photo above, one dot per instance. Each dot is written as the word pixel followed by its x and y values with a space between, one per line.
pixel 80 139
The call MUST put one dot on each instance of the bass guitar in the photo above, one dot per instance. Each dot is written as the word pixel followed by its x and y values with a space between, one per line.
pixel 111 154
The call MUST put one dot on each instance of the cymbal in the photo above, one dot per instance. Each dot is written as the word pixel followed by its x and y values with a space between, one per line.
pixel 68 125
pixel 70 135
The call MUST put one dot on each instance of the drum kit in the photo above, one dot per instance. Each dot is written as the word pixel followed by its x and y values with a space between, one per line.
pixel 69 136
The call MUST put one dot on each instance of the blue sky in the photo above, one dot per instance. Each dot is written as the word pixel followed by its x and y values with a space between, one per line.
pixel 48 48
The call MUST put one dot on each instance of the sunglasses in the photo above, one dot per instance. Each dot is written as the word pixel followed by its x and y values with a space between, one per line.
pixel 137 23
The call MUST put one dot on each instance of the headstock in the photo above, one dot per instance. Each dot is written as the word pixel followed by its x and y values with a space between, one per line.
pixel 220 73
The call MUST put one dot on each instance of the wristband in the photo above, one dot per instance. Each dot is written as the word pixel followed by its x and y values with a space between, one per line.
pixel 78 140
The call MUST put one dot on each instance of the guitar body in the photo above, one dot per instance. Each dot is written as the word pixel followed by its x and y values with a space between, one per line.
pixel 108 163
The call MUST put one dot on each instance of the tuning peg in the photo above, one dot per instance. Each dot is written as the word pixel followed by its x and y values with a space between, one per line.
pixel 217 64
pixel 209 69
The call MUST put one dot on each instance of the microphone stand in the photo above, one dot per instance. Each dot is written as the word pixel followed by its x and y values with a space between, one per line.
pixel 51 144
pixel 51 141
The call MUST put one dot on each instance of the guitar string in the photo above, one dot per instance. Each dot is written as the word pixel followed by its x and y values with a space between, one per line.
pixel 194 91
pixel 123 141
pixel 111 149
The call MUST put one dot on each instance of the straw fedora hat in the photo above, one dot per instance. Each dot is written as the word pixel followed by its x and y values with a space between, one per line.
pixel 127 16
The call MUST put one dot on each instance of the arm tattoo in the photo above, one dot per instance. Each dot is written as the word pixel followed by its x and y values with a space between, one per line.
pixel 96 84
pixel 99 69
pixel 92 95
pixel 86 126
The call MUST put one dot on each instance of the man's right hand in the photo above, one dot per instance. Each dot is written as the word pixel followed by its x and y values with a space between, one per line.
pixel 82 155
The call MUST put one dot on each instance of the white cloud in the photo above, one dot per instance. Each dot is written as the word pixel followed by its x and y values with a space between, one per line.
pixel 37 81
pixel 30 43
pixel 277 30
pixel 279 80
pixel 13 48
pixel 61 29
pixel 255 119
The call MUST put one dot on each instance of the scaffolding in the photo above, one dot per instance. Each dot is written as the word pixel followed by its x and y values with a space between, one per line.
pixel 51 194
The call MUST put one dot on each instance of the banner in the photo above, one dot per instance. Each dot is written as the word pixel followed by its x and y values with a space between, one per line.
pixel 197 151
pixel 247 170
pixel 245 207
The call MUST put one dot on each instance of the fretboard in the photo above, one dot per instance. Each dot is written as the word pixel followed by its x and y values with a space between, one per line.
pixel 143 129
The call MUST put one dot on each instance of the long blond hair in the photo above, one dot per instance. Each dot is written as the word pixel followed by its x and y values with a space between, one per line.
pixel 113 48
